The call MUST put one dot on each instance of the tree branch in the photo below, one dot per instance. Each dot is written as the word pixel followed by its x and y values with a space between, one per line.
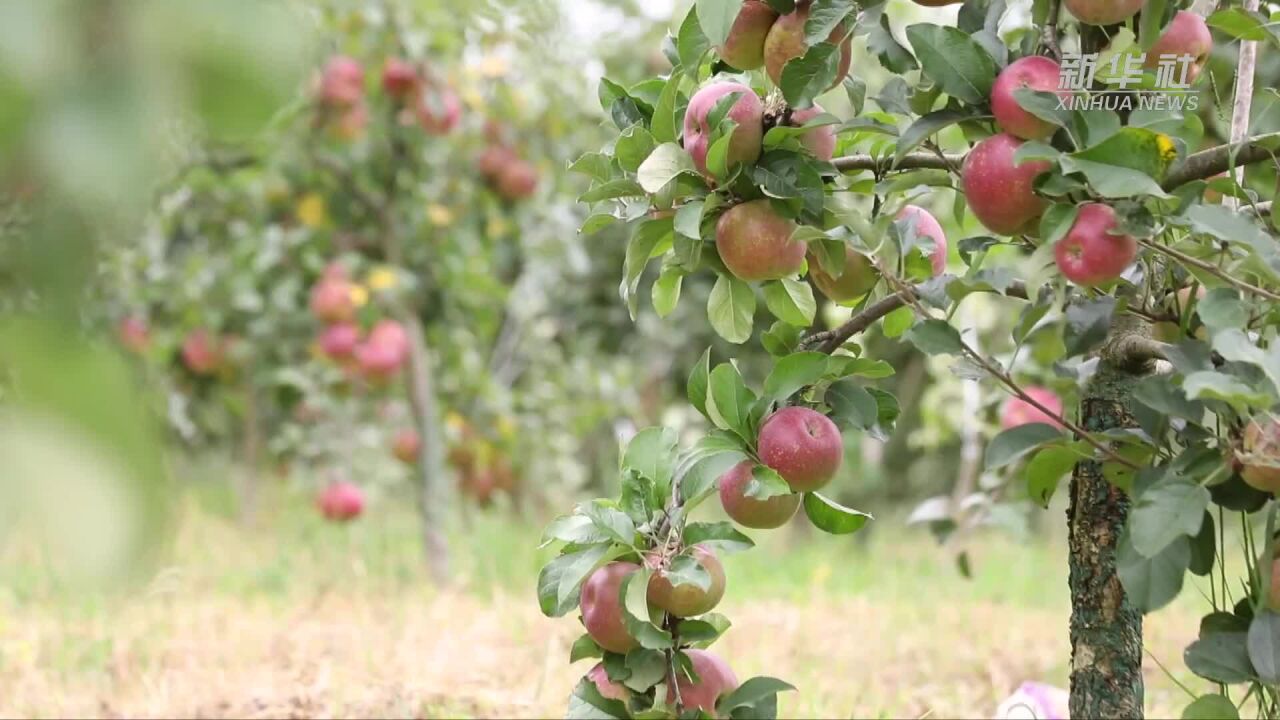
pixel 1215 161
pixel 910 161
pixel 1211 269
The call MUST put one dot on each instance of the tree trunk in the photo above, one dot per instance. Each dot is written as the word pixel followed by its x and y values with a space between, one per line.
pixel 1106 630
pixel 426 415
pixel 251 456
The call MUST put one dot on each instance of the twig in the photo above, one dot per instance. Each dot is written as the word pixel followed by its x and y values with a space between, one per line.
pixel 1214 161
pixel 1049 38
pixel 910 161
pixel 1211 269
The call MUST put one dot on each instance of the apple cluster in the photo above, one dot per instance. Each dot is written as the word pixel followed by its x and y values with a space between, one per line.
pixel 376 356
pixel 343 108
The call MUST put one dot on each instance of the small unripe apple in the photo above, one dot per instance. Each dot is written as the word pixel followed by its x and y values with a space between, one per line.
pixel 134 334
pixel 1018 412
pixel 1260 454
pixel 341 81
pixel 927 226
pixel 1000 193
pixel 601 604
pixel 786 41
pixel 1093 252
pixel 821 141
pixel 332 301
pixel 202 352
pixel 744 48
pixel 607 688
pixel 748 511
pixel 1034 72
pixel 1103 12
pixel 715 679
pixel 1188 34
pixel 399 78
pixel 756 244
pixel 339 341
pixel 517 180
pixel 341 502
pixel 858 279
pixel 439 112
pixel 689 600
pixel 746 142
pixel 407 446
pixel 803 445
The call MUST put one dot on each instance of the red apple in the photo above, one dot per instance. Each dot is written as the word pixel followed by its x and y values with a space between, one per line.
pixel 1093 253
pixel 407 446
pixel 1260 454
pixel 384 352
pixel 341 502
pixel 517 180
pixel 134 334
pixel 748 511
pixel 1034 72
pixel 339 341
pixel 399 78
pixel 755 242
pixel 494 159
pixel 715 679
pixel 202 352
pixel 1018 412
pixel 821 141
pixel 744 48
pixel 1000 193
pixel 331 300
pixel 786 42
pixel 439 112
pixel 926 226
pixel 608 688
pixel 341 81
pixel 1188 34
pixel 803 445
pixel 858 279
pixel 746 143
pixel 689 600
pixel 1103 12
pixel 601 605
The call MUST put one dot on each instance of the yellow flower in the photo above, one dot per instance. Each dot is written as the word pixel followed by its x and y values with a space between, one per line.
pixel 382 279
pixel 439 215
pixel 311 210
pixel 1168 151
pixel 359 295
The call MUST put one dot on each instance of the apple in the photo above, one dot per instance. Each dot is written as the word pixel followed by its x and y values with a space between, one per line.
pixel 399 78
pixel 689 600
pixel 332 301
pixel 858 278
pixel 744 48
pixel 1092 252
pixel 1103 12
pixel 134 334
pixel 821 141
pixel 1260 454
pixel 384 352
pixel 1034 72
pixel 1018 412
pixel 1000 193
pixel 341 502
pixel 926 225
pixel 407 446
pixel 339 341
pixel 786 42
pixel 1188 34
pixel 341 82
pixel 439 113
pixel 517 180
pixel 748 511
pixel 202 353
pixel 755 242
pixel 494 159
pixel 351 122
pixel 747 141
pixel 803 445
pixel 715 679
pixel 607 688
pixel 601 604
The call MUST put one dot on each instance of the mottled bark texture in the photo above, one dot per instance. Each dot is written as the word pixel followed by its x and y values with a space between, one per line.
pixel 1106 630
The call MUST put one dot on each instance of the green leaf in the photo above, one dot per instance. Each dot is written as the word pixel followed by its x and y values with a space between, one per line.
pixel 711 457
pixel 936 337
pixel 612 190
pixel 584 647
pixel 587 703
pixel 665 123
pixel 749 694
pixel 691 43
pixel 1221 657
pixel 831 517
pixel 1012 444
pixel 898 322
pixel 954 60
pixel 635 612
pixel 794 372
pixel 1152 583
pixel 824 17
pixel 1112 181
pixel 633 147
pixel 722 536
pixel 651 453
pixel 1221 309
pixel 1231 226
pixel 791 301
pixel 1143 150
pixel 596 166
pixel 731 309
pixel 559 580
pixel 648 668
pixel 666 291
pixel 880 40
pixel 929 125
pixel 1264 646
pixel 1046 470
pixel 730 400
pixel 610 521
pixel 716 18
pixel 684 570
pixel 852 405
pixel 650 240
pixel 766 483
pixel 1210 385
pixel 1211 707
pixel 807 77
pixel 667 161
pixel 1057 221
pixel 1088 323
pixel 1243 24
pixel 1164 513
pixel 704 630
pixel 696 388
pixel 596 223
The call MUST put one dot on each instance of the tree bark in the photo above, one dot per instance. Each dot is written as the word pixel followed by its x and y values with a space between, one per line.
pixel 1106 630
pixel 433 497
pixel 251 456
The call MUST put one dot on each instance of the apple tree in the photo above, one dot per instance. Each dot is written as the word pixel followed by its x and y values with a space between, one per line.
pixel 1100 222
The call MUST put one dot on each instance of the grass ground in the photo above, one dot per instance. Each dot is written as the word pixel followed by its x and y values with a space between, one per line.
pixel 299 619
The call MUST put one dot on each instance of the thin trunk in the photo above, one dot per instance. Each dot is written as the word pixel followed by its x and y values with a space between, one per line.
pixel 426 415
pixel 1243 108
pixel 1106 630
pixel 251 459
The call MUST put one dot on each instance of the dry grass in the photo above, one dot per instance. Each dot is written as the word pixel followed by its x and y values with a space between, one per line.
pixel 365 637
